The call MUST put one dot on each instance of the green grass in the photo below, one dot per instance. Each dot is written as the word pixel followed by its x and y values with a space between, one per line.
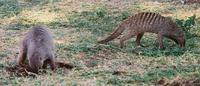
pixel 77 25
pixel 99 21
pixel 9 8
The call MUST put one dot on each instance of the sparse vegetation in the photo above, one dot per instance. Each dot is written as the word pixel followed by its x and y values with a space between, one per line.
pixel 77 25
pixel 9 8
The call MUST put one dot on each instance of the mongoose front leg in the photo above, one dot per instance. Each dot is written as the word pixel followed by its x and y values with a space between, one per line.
pixel 139 37
pixel 160 40
pixel 52 63
pixel 22 56
pixel 45 63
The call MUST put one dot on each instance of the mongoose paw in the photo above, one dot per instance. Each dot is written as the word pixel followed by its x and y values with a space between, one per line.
pixel 121 46
pixel 142 45
pixel 162 48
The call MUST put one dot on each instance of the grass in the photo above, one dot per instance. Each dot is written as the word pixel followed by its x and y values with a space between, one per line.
pixel 76 27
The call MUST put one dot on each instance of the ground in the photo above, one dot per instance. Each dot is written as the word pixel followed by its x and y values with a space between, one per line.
pixel 76 26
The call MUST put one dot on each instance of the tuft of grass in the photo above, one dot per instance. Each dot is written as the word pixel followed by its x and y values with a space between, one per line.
pixel 187 24
pixel 42 2
pixel 156 52
pixel 3 54
pixel 9 8
pixel 87 48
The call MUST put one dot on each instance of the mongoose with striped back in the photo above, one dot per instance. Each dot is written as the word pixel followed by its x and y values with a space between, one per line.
pixel 140 23
pixel 38 48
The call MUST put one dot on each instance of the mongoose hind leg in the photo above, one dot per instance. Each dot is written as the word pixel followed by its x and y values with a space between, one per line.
pixel 138 39
pixel 52 63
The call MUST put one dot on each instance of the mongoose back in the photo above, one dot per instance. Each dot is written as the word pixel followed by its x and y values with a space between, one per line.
pixel 142 22
pixel 38 48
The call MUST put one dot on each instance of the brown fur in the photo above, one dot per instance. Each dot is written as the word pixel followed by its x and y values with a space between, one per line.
pixel 140 23
pixel 38 48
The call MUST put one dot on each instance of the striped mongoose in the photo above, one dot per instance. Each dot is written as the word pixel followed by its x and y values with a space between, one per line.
pixel 38 48
pixel 142 22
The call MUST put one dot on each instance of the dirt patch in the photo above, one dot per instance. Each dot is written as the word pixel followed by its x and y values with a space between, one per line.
pixel 64 65
pixel 24 70
pixel 179 82
pixel 20 71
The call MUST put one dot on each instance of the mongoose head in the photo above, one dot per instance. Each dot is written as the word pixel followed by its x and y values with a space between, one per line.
pixel 176 32
pixel 35 62
pixel 180 37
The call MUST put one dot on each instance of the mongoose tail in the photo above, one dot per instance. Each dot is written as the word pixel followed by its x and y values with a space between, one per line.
pixel 114 35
